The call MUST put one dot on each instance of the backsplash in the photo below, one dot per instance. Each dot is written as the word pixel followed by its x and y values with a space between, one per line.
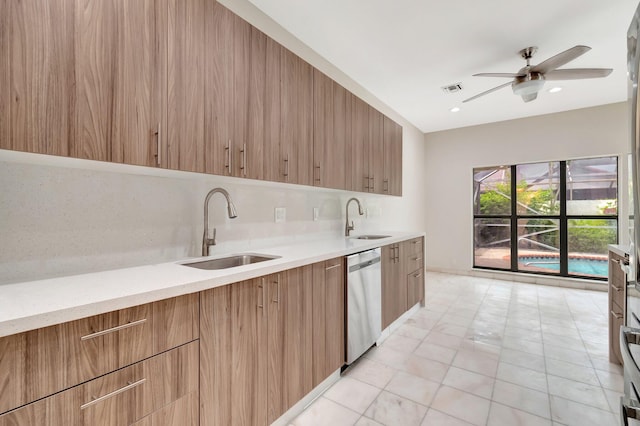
pixel 57 220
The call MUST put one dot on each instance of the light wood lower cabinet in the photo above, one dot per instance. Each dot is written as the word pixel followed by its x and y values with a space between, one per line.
pixel 41 362
pixel 162 390
pixel 328 318
pixel 402 278
pixel 617 304
pixel 259 340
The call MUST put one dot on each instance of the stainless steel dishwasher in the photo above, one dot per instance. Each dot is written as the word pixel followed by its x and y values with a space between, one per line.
pixel 364 302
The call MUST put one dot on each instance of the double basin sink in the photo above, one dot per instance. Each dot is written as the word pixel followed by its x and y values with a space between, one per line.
pixel 249 259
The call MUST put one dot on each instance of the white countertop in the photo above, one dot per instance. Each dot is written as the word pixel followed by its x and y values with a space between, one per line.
pixel 35 304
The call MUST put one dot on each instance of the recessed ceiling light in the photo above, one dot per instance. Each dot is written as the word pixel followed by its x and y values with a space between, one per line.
pixel 555 89
pixel 455 109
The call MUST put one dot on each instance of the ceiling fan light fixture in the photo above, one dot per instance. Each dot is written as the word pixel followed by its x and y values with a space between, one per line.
pixel 528 85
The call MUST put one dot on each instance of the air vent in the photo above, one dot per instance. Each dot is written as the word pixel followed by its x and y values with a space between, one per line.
pixel 452 88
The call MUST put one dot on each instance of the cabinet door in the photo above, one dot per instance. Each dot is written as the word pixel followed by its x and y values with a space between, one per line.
pixel 185 69
pixel 328 318
pixel 390 284
pixel 330 123
pixel 218 86
pixel 297 299
pixel 37 70
pixel 375 151
pixel 392 181
pixel 233 362
pixel 296 118
pixel 274 167
pixel 322 126
pixel 118 88
pixel 357 162
pixel 249 97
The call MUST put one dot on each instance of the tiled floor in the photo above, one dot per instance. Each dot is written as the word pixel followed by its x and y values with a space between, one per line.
pixel 484 352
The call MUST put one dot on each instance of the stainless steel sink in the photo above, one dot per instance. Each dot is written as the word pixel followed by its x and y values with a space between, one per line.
pixel 231 261
pixel 371 237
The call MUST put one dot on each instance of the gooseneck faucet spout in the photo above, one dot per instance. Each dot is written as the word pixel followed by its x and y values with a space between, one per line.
pixel 348 227
pixel 231 211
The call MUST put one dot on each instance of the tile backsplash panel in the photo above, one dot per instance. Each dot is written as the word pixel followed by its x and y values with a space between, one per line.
pixel 58 220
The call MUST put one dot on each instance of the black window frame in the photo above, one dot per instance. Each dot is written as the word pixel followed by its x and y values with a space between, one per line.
pixel 563 221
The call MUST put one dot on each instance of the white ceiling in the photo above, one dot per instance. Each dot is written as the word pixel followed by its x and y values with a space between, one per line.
pixel 404 51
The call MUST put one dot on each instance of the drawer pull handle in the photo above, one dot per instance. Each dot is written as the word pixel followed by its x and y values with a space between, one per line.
pixel 417 258
pixel 616 315
pixel 332 266
pixel 616 288
pixel 112 394
pixel 111 330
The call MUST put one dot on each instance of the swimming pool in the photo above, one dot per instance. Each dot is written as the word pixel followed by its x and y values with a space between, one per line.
pixel 577 266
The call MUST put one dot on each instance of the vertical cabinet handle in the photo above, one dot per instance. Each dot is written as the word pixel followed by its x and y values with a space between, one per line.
pixel 286 167
pixel 385 185
pixel 228 149
pixel 158 145
pixel 366 183
pixel 243 167
pixel 261 287
pixel 372 184
pixel 316 169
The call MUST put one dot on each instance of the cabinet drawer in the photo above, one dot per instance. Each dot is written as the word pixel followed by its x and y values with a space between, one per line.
pixel 414 246
pixel 41 362
pixel 616 290
pixel 414 262
pixel 415 288
pixel 616 320
pixel 124 397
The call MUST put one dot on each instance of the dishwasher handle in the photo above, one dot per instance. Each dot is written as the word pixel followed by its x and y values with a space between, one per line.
pixel 364 264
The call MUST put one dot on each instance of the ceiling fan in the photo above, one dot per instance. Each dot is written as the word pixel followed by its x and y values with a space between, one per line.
pixel 529 80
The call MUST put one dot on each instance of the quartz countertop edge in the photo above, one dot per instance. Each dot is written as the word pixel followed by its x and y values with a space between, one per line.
pixel 30 305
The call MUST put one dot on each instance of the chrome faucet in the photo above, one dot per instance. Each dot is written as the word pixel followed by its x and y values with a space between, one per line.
pixel 348 227
pixel 231 211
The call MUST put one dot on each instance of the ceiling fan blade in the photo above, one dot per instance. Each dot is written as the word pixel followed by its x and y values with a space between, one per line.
pixel 487 92
pixel 499 74
pixel 560 59
pixel 577 73
pixel 530 97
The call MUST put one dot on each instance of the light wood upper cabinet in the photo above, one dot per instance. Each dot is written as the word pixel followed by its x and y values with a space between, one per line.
pixel 47 360
pixel 374 152
pixel 357 161
pixel 296 119
pixel 117 82
pixel 37 71
pixel 235 88
pixel 329 132
pixel 392 176
pixel 183 75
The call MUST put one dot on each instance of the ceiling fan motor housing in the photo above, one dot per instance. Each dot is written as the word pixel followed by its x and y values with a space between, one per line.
pixel 528 84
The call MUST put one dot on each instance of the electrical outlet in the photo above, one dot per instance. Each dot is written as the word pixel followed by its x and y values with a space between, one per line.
pixel 280 214
pixel 316 213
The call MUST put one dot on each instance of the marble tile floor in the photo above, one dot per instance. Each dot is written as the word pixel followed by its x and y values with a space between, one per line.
pixel 484 352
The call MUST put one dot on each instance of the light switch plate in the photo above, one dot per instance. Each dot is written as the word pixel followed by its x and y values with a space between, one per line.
pixel 280 214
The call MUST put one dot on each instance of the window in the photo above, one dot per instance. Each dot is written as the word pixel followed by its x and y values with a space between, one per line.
pixel 554 218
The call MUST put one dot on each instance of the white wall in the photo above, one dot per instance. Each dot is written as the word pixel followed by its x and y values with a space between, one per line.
pixel 63 216
pixel 450 157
